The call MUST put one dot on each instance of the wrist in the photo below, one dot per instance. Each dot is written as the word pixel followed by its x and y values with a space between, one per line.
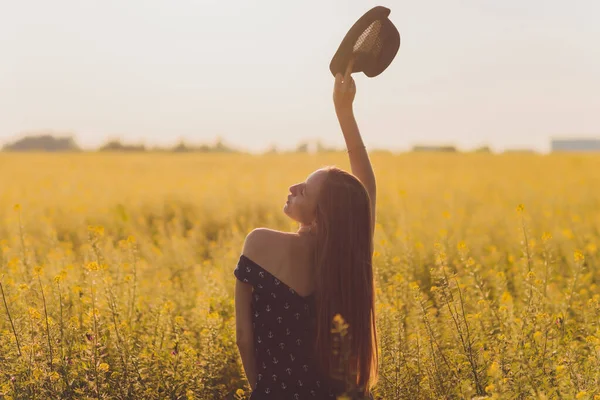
pixel 344 112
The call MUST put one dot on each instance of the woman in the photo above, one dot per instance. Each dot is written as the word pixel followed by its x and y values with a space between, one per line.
pixel 290 286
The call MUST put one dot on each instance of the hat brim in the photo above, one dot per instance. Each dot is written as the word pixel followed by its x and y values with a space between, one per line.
pixel 371 63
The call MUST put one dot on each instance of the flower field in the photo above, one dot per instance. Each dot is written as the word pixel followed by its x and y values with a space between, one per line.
pixel 116 272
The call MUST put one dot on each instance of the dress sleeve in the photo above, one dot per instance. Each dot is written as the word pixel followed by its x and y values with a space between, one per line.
pixel 245 271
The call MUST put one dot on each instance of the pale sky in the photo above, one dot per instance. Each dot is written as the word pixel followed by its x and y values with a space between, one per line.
pixel 503 73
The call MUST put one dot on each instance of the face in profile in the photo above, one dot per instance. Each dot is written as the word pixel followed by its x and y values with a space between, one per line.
pixel 301 203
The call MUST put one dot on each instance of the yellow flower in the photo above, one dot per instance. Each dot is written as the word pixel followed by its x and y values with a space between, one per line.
pixel 578 256
pixel 592 339
pixel 546 236
pixel 92 266
pixel 494 369
pixel 397 278
pixel 103 367
pixel 60 277
pixel 506 298
pixel 537 335
pixel 581 394
pixel 490 388
pixel 33 313
pixel 338 319
pixel 96 230
pixel 520 208
pixel 17 207
pixel 5 388
pixel 340 325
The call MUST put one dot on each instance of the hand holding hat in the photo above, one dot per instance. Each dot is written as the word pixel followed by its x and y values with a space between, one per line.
pixel 344 89
pixel 372 43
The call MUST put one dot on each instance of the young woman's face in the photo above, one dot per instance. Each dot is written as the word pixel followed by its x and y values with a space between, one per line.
pixel 302 200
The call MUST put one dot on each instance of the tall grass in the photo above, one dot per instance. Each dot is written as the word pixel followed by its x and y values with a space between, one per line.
pixel 116 273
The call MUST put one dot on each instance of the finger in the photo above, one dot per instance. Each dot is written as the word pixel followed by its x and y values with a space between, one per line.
pixel 349 69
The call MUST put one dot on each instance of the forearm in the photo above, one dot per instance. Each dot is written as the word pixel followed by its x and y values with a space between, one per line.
pixel 249 363
pixel 359 158
pixel 343 96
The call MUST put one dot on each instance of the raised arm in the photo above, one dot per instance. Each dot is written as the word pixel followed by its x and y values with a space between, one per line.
pixel 343 96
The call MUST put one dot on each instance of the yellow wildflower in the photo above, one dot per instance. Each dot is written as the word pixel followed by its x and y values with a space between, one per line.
pixel 546 236
pixel 506 298
pixel 578 256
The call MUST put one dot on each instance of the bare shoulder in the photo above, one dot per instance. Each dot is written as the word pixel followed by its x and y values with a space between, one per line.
pixel 260 238
pixel 265 246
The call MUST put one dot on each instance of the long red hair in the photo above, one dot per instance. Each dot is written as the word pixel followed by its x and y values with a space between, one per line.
pixel 344 255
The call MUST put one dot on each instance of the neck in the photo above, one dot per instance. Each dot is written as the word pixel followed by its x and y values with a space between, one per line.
pixel 307 229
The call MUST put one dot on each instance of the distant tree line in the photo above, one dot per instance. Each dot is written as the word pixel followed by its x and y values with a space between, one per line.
pixel 52 143
pixel 49 142
pixel 43 143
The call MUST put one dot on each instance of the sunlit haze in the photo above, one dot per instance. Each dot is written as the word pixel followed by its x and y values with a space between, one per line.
pixel 508 74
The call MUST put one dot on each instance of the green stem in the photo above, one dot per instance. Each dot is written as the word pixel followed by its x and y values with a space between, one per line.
pixel 10 319
pixel 47 324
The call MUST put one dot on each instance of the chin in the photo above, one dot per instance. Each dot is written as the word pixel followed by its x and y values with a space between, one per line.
pixel 286 211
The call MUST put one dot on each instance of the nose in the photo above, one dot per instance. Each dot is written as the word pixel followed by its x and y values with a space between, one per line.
pixel 293 189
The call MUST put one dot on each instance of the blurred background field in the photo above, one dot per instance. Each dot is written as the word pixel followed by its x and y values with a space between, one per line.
pixel 117 272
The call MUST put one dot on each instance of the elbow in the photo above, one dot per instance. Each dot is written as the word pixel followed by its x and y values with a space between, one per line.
pixel 244 346
pixel 243 340
pixel 372 188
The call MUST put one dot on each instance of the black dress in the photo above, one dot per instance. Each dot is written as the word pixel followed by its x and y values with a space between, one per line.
pixel 284 335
